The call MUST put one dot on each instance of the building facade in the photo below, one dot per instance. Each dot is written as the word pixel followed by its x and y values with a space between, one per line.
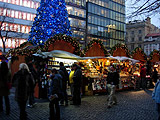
pixel 136 32
pixel 17 17
pixel 92 19
pixel 106 21
pixel 151 42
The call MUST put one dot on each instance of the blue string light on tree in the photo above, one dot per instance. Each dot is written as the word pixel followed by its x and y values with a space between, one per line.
pixel 51 19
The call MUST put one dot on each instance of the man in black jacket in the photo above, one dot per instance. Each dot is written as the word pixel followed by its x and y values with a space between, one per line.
pixel 77 85
pixel 65 77
pixel 54 95
pixel 112 82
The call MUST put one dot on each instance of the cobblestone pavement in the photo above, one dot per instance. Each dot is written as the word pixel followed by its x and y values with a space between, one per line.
pixel 132 105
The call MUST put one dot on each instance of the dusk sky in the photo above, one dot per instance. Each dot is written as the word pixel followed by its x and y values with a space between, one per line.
pixel 155 18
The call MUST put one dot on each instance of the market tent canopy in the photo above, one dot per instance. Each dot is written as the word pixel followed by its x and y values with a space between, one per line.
pixel 96 57
pixel 122 58
pixel 62 54
pixel 41 54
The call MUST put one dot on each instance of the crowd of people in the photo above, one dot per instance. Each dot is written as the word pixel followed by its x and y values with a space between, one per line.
pixel 25 80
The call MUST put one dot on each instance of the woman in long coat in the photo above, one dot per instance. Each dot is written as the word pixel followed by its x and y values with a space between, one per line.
pixel 5 78
pixel 24 82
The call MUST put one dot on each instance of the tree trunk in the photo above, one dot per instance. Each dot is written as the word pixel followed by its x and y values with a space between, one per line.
pixel 4 46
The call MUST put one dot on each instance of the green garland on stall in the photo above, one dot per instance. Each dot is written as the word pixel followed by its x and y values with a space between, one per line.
pixel 123 46
pixel 65 38
pixel 139 49
pixel 91 43
pixel 152 53
pixel 14 53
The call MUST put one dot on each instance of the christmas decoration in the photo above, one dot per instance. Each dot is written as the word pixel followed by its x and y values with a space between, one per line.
pixel 122 46
pixel 141 51
pixel 20 51
pixel 51 19
pixel 65 38
pixel 155 52
pixel 99 42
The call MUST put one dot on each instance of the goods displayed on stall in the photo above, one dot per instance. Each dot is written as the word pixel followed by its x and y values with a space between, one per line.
pixel 93 67
pixel 124 64
pixel 155 59
pixel 93 64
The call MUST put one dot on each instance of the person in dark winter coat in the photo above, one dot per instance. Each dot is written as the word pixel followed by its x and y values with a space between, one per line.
pixel 155 75
pixel 77 78
pixel 65 77
pixel 143 78
pixel 5 77
pixel 156 97
pixel 55 95
pixel 35 76
pixel 24 82
pixel 112 82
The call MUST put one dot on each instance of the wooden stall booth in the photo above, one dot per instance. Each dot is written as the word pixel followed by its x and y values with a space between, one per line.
pixel 138 54
pixel 155 56
pixel 120 51
pixel 93 68
pixel 155 60
pixel 20 55
pixel 57 49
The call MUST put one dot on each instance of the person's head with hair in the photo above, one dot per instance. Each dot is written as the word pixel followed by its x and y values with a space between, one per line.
pixel 61 64
pixel 4 68
pixel 74 66
pixel 112 68
pixel 54 71
pixel 24 66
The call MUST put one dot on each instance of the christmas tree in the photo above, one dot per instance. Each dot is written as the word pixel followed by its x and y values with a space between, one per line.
pixel 51 19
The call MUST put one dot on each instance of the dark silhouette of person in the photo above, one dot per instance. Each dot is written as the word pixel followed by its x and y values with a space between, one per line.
pixel 5 78
pixel 143 77
pixel 55 95
pixel 24 82
pixel 35 76
pixel 77 78
pixel 155 75
pixel 65 77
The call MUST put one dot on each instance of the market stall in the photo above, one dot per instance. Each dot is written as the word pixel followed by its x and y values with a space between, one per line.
pixel 60 48
pixel 21 54
pixel 139 54
pixel 96 57
pixel 155 60
pixel 124 64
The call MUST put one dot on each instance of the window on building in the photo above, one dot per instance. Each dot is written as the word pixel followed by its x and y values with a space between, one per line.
pixel 140 38
pixel 16 14
pixel 132 39
pixel 19 28
pixel 132 32
pixel 9 13
pixel 139 46
pixel 13 43
pixel 140 31
pixel 9 42
pixel 12 13
pixel 24 15
pixel 4 12
pixel 132 47
pixel 23 29
pixel 28 16
pixel 20 15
